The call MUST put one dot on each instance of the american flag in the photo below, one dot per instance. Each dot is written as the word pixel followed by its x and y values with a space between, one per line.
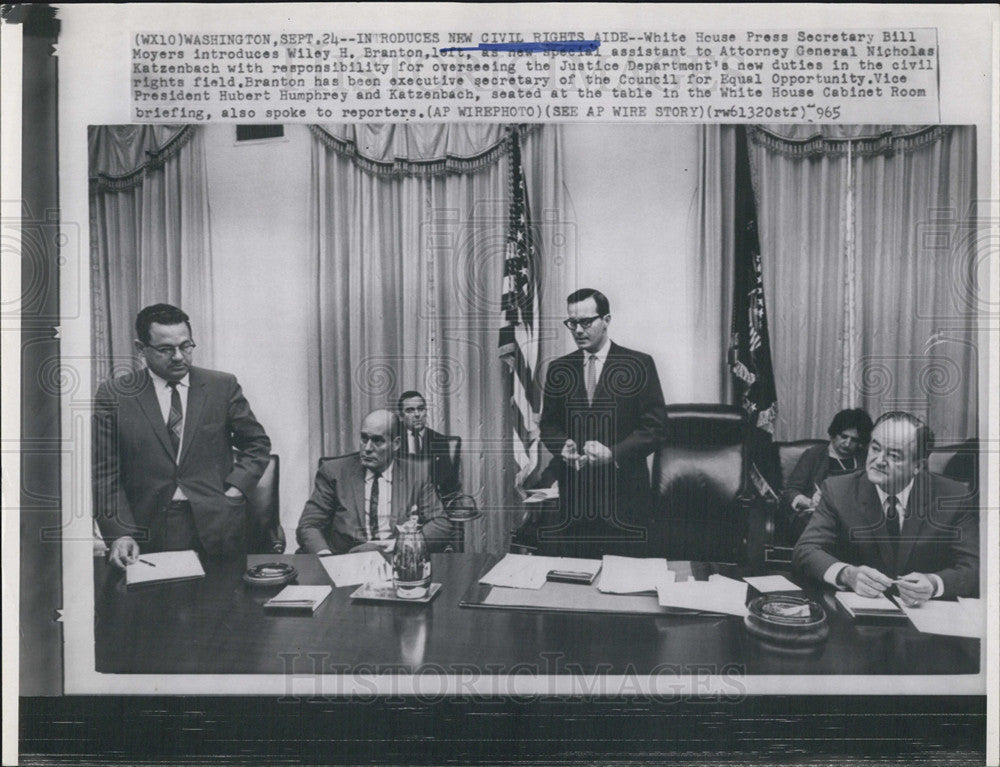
pixel 519 303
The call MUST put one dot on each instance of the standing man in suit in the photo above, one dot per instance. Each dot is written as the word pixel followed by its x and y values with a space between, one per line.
pixel 894 524
pixel 423 443
pixel 603 413
pixel 165 478
pixel 358 499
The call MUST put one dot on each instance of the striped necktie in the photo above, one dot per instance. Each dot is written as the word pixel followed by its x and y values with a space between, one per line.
pixel 175 421
pixel 373 508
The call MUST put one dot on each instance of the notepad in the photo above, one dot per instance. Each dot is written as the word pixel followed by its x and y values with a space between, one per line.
pixel 858 606
pixel 355 569
pixel 632 575
pixel 164 566
pixel 716 595
pixel 521 571
pixel 293 598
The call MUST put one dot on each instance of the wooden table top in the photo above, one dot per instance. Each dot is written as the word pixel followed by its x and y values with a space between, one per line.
pixel 218 625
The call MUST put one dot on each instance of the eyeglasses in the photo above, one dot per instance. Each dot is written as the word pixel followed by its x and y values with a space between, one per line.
pixel 581 322
pixel 849 438
pixel 168 351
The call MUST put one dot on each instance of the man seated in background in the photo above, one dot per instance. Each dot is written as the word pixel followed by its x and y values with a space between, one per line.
pixel 165 476
pixel 894 524
pixel 358 499
pixel 423 443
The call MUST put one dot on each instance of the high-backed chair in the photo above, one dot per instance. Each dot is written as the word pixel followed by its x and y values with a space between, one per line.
pixel 789 454
pixel 265 535
pixel 705 509
pixel 959 461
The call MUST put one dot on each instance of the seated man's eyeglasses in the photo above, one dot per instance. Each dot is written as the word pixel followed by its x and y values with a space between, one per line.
pixel 168 351
pixel 583 322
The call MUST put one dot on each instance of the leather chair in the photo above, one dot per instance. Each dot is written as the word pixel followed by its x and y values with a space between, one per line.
pixel 960 462
pixel 789 454
pixel 705 508
pixel 266 535
pixel 784 531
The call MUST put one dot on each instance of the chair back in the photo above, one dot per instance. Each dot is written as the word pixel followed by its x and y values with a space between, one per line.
pixel 266 535
pixel 959 461
pixel 699 483
pixel 789 454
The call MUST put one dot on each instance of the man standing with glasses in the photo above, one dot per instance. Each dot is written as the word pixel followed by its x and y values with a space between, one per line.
pixel 603 413
pixel 165 475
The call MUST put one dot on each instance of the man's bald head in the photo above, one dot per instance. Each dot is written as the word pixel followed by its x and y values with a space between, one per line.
pixel 379 440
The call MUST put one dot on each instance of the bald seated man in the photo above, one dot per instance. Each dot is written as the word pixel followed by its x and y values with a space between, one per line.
pixel 358 499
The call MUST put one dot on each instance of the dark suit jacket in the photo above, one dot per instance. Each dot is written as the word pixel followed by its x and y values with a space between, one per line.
pixel 444 471
pixel 335 516
pixel 940 534
pixel 136 473
pixel 628 416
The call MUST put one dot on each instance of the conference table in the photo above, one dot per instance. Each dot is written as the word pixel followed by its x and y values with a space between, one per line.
pixel 218 625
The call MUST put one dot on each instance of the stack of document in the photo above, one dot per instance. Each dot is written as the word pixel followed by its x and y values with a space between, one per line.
pixel 164 566
pixel 521 571
pixel 631 575
pixel 356 569
pixel 294 598
pixel 718 594
pixel 861 607
pixel 964 618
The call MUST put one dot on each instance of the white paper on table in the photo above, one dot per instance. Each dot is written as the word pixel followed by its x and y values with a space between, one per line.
pixel 716 595
pixel 164 566
pixel 356 569
pixel 632 575
pixel 946 618
pixel 541 494
pixel 768 583
pixel 523 571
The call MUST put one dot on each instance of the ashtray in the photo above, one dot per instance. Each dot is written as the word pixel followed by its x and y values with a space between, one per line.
pixel 270 574
pixel 786 620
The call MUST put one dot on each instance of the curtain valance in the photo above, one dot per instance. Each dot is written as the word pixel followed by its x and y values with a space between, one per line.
pixel 802 141
pixel 120 155
pixel 418 150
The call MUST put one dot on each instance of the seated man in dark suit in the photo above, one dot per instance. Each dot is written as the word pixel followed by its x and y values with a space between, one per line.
pixel 358 499
pixel 165 476
pixel 894 523
pixel 422 442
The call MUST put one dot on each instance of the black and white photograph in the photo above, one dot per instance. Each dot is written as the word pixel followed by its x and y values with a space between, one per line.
pixel 585 438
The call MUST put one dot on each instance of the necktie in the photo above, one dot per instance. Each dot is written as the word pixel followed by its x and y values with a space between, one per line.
pixel 176 418
pixel 373 508
pixel 591 378
pixel 417 447
pixel 892 527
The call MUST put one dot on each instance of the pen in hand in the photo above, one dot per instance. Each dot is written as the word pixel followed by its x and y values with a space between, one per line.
pixel 147 563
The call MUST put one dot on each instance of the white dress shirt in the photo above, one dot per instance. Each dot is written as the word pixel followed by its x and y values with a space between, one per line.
pixel 602 357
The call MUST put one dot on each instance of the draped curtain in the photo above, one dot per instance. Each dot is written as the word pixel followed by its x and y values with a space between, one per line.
pixel 149 235
pixel 408 233
pixel 868 269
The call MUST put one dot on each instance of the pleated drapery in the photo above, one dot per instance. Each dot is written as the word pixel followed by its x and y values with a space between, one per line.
pixel 149 236
pixel 409 231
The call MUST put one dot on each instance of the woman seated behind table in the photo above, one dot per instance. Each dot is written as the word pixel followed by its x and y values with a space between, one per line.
pixel 849 433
